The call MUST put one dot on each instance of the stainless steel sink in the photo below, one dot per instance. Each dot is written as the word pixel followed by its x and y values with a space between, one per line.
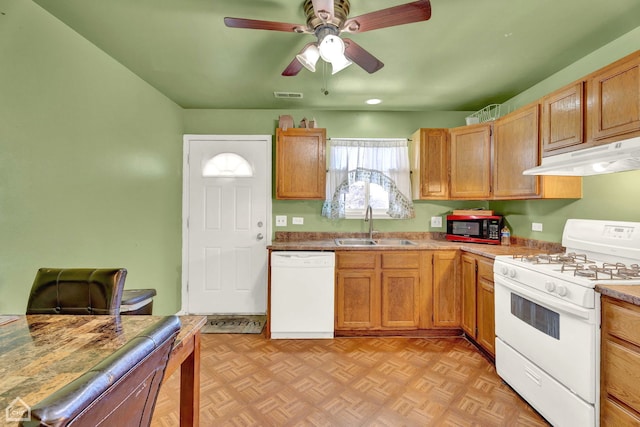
pixel 354 241
pixel 394 242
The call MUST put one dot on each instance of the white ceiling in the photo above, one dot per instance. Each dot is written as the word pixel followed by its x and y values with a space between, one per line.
pixel 469 54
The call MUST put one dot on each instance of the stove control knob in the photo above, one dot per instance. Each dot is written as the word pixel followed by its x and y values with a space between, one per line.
pixel 562 291
pixel 512 273
pixel 550 286
pixel 504 270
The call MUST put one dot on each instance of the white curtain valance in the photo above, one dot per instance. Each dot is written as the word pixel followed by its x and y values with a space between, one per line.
pixel 382 161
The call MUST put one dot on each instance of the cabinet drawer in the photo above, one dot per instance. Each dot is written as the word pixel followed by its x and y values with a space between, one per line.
pixel 622 321
pixel 622 373
pixel 401 259
pixel 615 415
pixel 485 269
pixel 357 260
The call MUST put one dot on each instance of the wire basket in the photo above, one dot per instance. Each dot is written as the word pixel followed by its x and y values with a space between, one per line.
pixel 487 114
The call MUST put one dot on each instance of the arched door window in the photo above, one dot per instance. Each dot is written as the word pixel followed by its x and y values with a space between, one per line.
pixel 227 165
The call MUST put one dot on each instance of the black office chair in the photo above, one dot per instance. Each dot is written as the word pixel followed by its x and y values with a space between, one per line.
pixel 119 391
pixel 77 291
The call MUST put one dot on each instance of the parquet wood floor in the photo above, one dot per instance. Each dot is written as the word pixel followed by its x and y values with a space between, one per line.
pixel 247 380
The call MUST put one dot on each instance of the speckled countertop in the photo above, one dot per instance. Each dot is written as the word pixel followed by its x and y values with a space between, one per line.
pixel 322 241
pixel 630 294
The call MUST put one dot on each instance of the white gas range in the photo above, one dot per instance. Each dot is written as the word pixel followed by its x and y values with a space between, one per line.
pixel 548 317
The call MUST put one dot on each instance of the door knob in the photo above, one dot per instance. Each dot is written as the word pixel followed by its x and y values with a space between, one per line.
pixel 260 236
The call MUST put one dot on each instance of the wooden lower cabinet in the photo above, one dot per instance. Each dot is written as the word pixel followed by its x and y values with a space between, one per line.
pixel 446 289
pixel 357 300
pixel 383 291
pixel 478 308
pixel 620 363
pixel 400 299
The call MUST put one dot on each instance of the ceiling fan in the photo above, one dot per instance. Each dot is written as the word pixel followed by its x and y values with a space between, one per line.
pixel 327 19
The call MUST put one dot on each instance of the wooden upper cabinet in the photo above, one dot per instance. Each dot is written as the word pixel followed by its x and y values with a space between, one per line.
pixel 614 101
pixel 516 148
pixel 430 164
pixel 563 116
pixel 301 163
pixel 471 162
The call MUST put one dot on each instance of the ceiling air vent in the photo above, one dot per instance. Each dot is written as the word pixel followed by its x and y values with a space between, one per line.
pixel 288 95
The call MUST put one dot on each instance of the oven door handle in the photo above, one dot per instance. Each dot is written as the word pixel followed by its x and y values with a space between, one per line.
pixel 552 303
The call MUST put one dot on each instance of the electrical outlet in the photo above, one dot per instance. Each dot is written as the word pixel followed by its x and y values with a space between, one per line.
pixel 536 226
pixel 297 220
pixel 281 220
pixel 436 221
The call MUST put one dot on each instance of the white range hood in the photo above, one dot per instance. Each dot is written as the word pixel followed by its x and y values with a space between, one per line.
pixel 609 158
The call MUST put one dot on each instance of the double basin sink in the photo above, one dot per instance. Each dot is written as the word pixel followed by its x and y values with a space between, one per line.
pixel 364 242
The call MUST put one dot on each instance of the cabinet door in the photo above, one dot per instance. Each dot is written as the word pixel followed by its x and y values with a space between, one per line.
pixel 485 317
pixel 446 294
pixel 471 162
pixel 563 120
pixel 614 100
pixel 516 148
pixel 300 164
pixel 357 299
pixel 486 336
pixel 430 164
pixel 469 294
pixel 400 299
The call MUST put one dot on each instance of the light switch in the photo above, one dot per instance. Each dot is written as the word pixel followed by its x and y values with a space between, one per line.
pixel 297 220
pixel 536 226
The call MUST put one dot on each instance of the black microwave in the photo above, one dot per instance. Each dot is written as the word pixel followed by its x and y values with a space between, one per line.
pixel 474 228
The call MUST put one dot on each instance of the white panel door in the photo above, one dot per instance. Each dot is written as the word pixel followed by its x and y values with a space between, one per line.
pixel 227 223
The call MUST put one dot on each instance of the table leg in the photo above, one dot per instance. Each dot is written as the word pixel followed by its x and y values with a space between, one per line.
pixel 190 387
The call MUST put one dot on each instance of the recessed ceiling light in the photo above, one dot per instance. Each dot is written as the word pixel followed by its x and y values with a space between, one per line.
pixel 374 101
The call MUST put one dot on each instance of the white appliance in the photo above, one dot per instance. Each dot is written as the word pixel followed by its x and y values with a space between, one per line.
pixel 608 158
pixel 302 294
pixel 548 317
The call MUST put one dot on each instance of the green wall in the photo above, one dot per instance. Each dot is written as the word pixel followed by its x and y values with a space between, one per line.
pixel 91 157
pixel 90 162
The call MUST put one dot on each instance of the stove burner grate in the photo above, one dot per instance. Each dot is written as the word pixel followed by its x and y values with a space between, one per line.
pixel 581 266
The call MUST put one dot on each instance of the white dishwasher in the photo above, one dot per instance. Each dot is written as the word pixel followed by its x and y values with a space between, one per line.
pixel 302 294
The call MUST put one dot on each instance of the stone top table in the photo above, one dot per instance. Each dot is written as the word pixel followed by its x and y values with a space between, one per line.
pixel 41 353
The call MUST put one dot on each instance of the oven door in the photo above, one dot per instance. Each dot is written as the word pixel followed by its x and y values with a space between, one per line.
pixel 558 337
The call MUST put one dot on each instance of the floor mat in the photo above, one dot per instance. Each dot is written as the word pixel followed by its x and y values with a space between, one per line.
pixel 234 324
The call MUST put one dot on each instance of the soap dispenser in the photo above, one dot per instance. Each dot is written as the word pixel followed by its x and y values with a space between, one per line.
pixel 505 236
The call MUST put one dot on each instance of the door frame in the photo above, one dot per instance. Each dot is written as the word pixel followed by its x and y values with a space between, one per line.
pixel 186 140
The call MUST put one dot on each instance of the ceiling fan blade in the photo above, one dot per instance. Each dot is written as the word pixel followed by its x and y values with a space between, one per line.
pixel 256 24
pixel 364 59
pixel 323 9
pixel 293 68
pixel 398 15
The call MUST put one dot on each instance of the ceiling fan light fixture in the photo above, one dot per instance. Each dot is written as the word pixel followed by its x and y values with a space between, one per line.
pixel 340 64
pixel 309 57
pixel 331 48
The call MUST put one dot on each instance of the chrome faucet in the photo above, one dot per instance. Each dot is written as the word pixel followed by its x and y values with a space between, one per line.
pixel 368 216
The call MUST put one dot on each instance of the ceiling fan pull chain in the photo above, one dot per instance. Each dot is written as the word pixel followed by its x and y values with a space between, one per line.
pixel 325 83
